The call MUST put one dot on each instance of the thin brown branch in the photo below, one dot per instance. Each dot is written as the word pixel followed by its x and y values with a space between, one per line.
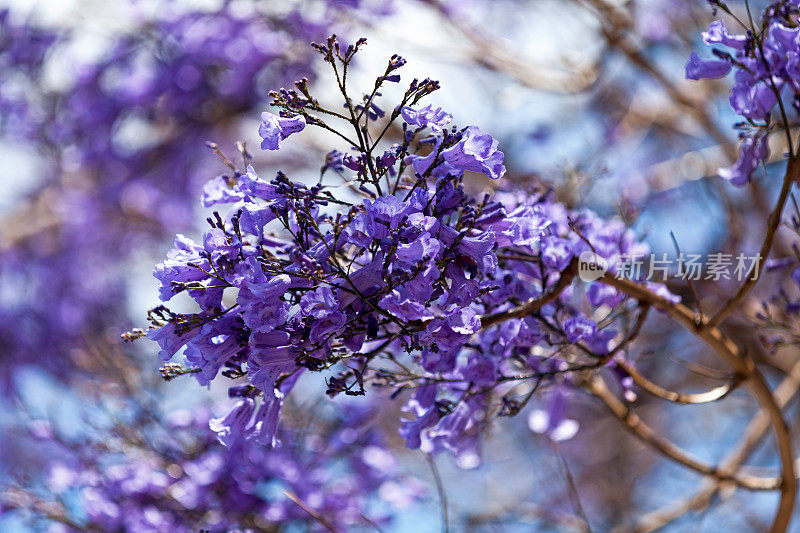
pixel 597 386
pixel 743 366
pixel 311 511
pixel 534 304
pixel 713 395
pixel 792 175
pixel 442 494
pixel 753 434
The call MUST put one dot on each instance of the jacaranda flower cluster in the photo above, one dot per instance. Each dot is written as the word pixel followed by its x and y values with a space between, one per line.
pixel 418 286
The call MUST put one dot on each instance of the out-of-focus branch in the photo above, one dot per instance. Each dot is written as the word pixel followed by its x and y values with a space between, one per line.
pixel 528 511
pixel 494 56
pixel 792 175
pixel 324 522
pixel 712 395
pixel 597 386
pixel 754 433
pixel 38 215
pixel 743 366
pixel 15 498
pixel 615 25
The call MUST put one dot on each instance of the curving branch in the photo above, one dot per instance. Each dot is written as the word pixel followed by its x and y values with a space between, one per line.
pixel 597 386
pixel 743 366
pixel 791 176
pixel 753 434
pixel 709 396
pixel 534 304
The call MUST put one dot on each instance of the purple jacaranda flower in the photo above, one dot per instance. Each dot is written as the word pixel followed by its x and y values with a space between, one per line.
pixel 333 161
pixel 421 287
pixel 476 152
pixel 463 321
pixel 419 223
pixel 254 217
pixel 384 215
pixel 404 308
pixel 321 307
pixel 356 163
pixel 718 34
pixel 698 69
pixel 265 422
pixel 261 301
pixel 366 280
pixel 232 426
pixel 422 405
pixel 270 355
pixel 479 250
pixel 481 369
pixel 599 341
pixel 411 430
pixel 423 248
pixel 388 158
pixel 274 129
pixel 553 422
pixel 782 39
pixel 459 431
pixel 409 275
pixel 433 117
pixel 216 343
pixel 602 294
pixel 219 244
pixel 445 336
pixel 752 152
pixel 524 226
pixel 250 184
pixel 170 340
pixel 751 98
pixel 219 191
pixel 556 252
pixel 421 164
pixel 579 327
pixel 359 231
pixel 176 267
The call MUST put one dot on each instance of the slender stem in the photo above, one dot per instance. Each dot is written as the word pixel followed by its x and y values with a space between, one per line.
pixel 311 511
pixel 712 395
pixel 754 433
pixel 742 365
pixel 442 494
pixel 792 175
pixel 597 386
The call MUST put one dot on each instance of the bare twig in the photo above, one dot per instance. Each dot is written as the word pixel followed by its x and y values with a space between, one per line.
pixel 792 175
pixel 712 395
pixel 442 494
pixel 743 366
pixel 311 512
pixel 754 433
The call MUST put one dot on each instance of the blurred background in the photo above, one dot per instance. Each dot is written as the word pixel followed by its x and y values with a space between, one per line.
pixel 105 111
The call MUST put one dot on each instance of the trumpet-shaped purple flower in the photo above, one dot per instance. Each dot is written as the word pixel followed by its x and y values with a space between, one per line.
pixel 752 152
pixel 476 152
pixel 427 117
pixel 274 129
pixel 698 69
